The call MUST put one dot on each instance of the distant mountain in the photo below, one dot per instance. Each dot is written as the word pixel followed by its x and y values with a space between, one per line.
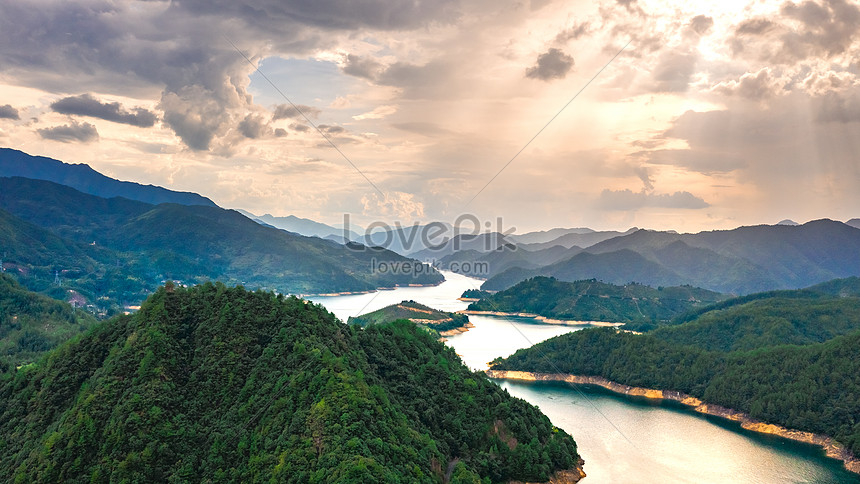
pixel 488 264
pixel 583 240
pixel 484 242
pixel 787 222
pixel 83 178
pixel 302 226
pixel 854 222
pixel 542 236
pixel 189 243
pixel 222 384
pixel 739 261
pixel 592 300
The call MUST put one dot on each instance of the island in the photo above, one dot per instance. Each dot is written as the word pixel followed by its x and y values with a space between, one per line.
pixel 441 322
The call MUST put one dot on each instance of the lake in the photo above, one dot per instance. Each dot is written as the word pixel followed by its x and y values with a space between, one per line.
pixel 622 439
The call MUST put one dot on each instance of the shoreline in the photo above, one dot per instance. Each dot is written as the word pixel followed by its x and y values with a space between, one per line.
pixel 543 319
pixel 831 447
pixel 355 293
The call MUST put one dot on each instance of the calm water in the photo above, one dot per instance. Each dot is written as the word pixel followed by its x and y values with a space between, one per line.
pixel 622 439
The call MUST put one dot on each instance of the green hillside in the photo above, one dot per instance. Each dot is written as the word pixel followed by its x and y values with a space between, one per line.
pixel 784 357
pixel 222 384
pixel 141 245
pixel 414 312
pixel 31 324
pixel 592 300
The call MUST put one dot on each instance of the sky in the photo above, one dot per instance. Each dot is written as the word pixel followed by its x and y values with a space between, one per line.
pixel 666 115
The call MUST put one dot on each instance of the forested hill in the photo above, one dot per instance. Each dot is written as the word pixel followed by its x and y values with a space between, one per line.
pixel 814 387
pixel 415 312
pixel 786 357
pixel 31 324
pixel 592 300
pixel 222 384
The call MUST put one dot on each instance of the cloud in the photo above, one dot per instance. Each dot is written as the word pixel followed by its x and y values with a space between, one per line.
pixel 83 132
pixel 755 86
pixel 423 128
pixel 87 105
pixel 287 111
pixel 364 67
pixel 254 127
pixel 700 160
pixel 179 49
pixel 839 107
pixel 8 112
pixel 552 64
pixel 400 205
pixel 572 33
pixel 329 129
pixel 673 71
pixel 377 113
pixel 701 24
pixel 301 128
pixel 801 31
pixel 621 200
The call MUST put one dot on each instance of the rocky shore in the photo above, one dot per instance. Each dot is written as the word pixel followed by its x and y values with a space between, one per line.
pixel 833 448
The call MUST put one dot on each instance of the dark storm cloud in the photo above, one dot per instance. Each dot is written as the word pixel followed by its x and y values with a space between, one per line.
pixel 87 105
pixel 83 132
pixel 552 64
pixel 179 49
pixel 333 14
pixel 8 112
pixel 287 111
pixel 622 200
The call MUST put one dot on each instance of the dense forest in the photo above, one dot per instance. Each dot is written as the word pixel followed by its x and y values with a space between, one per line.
pixel 416 312
pixel 212 383
pixel 789 357
pixel 31 324
pixel 592 300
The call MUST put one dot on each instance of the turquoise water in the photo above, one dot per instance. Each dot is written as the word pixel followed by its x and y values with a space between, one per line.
pixel 622 439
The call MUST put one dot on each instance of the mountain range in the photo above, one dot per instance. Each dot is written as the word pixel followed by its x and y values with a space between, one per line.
pixel 738 261
pixel 83 178
pixel 121 249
